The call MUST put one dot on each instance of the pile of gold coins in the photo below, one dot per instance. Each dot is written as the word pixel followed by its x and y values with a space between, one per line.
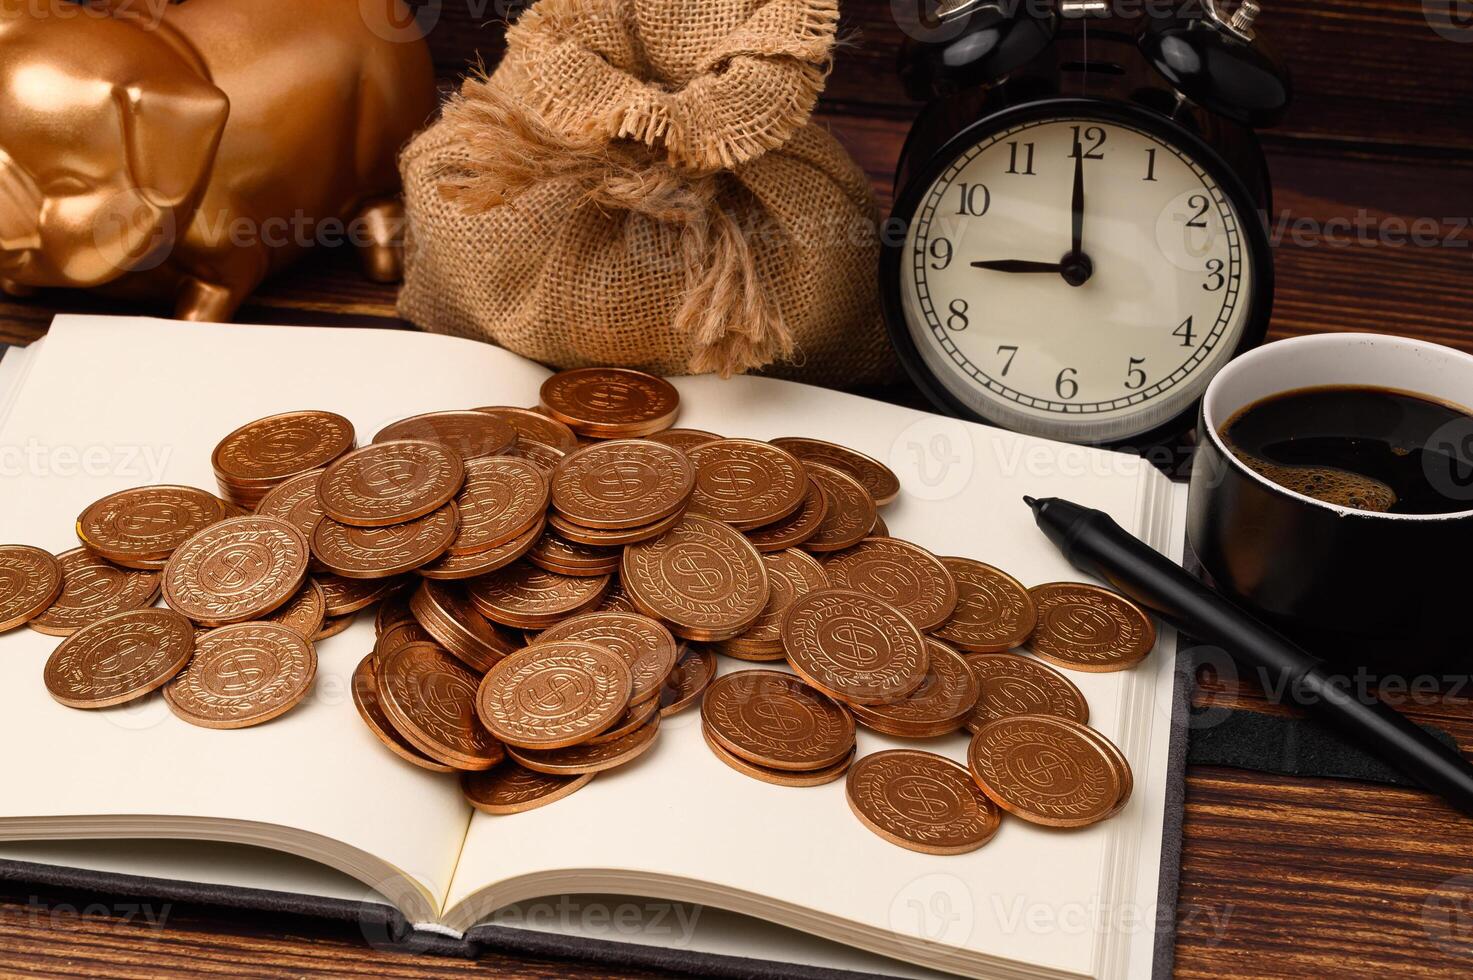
pixel 551 582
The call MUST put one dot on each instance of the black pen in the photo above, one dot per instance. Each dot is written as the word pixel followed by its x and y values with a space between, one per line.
pixel 1095 544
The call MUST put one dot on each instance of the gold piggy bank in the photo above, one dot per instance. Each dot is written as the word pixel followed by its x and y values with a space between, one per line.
pixel 186 150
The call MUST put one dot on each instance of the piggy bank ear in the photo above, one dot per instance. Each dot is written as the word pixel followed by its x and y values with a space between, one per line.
pixel 170 132
pixel 20 208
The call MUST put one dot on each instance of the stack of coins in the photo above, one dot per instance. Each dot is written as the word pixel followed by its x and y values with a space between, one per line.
pixel 546 436
pixel 388 508
pixel 470 435
pixel 1091 779
pixel 564 707
pixel 141 527
pixel 92 589
pixel 770 725
pixel 551 583
pixel 946 697
pixel 791 573
pixel 469 663
pixel 531 598
pixel 620 492
pixel 234 649
pixel 610 403
pixel 442 610
pixel 253 459
pixel 419 701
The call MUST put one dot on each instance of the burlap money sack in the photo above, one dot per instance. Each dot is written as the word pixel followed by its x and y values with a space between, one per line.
pixel 638 183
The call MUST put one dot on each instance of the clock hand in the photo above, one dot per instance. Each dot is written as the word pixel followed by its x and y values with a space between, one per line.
pixel 1076 204
pixel 1018 265
pixel 1075 266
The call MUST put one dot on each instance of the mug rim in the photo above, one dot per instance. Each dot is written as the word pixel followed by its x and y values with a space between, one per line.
pixel 1280 348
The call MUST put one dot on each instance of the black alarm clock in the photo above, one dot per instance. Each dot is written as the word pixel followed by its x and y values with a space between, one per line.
pixel 1079 241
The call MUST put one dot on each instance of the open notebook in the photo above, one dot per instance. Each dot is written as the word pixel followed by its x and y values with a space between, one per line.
pixel 106 403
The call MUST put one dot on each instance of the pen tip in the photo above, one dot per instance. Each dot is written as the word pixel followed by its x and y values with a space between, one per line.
pixel 1031 502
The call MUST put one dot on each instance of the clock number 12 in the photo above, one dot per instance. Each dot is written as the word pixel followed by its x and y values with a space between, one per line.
pixel 1096 136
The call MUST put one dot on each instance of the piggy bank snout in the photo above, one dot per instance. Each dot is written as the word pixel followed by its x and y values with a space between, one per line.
pixel 92 237
pixel 114 210
pixel 77 233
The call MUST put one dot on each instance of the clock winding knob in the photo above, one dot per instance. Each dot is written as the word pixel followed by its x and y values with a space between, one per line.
pixel 1243 16
pixel 1240 22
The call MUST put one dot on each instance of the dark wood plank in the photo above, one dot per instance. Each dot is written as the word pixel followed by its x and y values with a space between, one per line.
pixel 323 290
pixel 1378 280
pixel 1349 60
pixel 1314 877
pixel 49 933
pixel 1363 69
pixel 1281 875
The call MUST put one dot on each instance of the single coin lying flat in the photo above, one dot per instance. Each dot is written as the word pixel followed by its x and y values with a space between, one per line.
pixel 921 801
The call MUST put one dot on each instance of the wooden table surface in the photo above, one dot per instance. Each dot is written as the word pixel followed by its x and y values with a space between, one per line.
pixel 1280 876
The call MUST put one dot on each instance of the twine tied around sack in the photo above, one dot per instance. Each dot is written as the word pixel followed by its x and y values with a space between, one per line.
pixel 732 321
pixel 639 183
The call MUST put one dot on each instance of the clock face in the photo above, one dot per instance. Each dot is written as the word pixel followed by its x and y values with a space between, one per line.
pixel 1092 345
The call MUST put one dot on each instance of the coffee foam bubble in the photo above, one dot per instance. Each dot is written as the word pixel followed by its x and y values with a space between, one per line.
pixel 1334 486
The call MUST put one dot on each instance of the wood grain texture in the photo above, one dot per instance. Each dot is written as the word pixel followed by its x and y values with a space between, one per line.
pixel 48 933
pixel 1366 72
pixel 1315 877
pixel 1280 876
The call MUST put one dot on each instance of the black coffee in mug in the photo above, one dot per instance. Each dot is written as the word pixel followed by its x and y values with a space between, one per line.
pixel 1351 529
pixel 1363 447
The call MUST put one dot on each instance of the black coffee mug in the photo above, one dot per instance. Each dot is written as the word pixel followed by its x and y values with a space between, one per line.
pixel 1390 592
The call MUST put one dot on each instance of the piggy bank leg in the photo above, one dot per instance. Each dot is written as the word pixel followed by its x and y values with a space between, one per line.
pixel 212 288
pixel 15 289
pixel 206 302
pixel 381 240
